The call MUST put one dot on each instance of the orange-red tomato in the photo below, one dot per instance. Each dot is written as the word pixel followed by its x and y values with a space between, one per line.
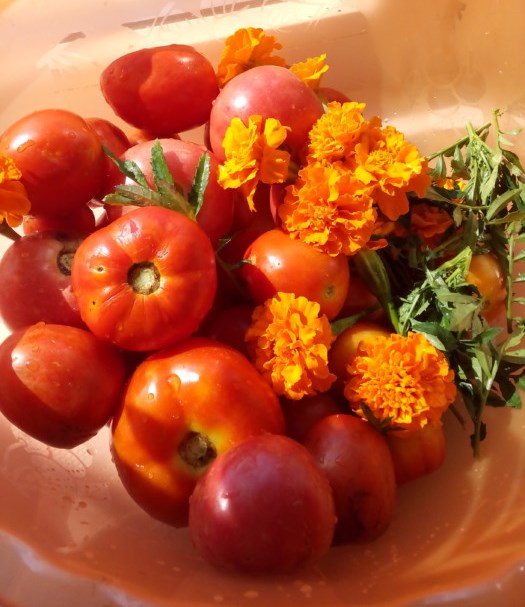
pixel 146 280
pixel 184 406
pixel 417 453
pixel 280 263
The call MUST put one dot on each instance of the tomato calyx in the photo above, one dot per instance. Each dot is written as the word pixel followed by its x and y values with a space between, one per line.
pixel 166 193
pixel 197 450
pixel 144 277
pixel 65 256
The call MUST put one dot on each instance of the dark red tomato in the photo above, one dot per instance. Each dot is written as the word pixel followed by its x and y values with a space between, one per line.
pixel 35 274
pixel 59 384
pixel 356 459
pixel 146 280
pixel 182 157
pixel 327 94
pixel 116 141
pixel 263 507
pixel 269 91
pixel 60 157
pixel 301 415
pixel 183 406
pixel 279 263
pixel 163 90
pixel 81 220
pixel 229 326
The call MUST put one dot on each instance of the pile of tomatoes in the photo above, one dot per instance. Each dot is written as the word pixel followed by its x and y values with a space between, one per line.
pixel 135 315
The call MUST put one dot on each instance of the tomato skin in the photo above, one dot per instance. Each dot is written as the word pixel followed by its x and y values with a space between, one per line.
pixel 356 459
pixel 152 244
pixel 486 273
pixel 215 216
pixel 163 90
pixel 417 453
pixel 198 386
pixel 59 384
pixel 36 281
pixel 81 220
pixel 279 263
pixel 60 157
pixel 272 92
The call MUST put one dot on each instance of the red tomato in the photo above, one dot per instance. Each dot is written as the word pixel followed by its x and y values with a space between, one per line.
pixel 60 157
pixel 81 220
pixel 182 157
pixel 263 507
pixel 301 415
pixel 117 142
pixel 35 274
pixel 417 453
pixel 269 91
pixel 146 280
pixel 163 90
pixel 229 326
pixel 59 384
pixel 358 464
pixel 279 263
pixel 183 406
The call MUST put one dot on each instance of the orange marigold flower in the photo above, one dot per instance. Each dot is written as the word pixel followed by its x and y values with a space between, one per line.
pixel 429 222
pixel 14 203
pixel 289 341
pixel 252 155
pixel 328 209
pixel 335 134
pixel 385 159
pixel 244 49
pixel 311 70
pixel 402 380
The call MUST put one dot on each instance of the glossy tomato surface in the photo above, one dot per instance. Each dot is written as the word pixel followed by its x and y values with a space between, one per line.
pixel 163 90
pixel 60 157
pixel 59 384
pixel 146 280
pixel 279 263
pixel 183 406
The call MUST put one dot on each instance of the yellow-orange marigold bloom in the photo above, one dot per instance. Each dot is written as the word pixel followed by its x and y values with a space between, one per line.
pixel 429 222
pixel 384 159
pixel 289 341
pixel 403 380
pixel 311 70
pixel 247 48
pixel 252 155
pixel 328 209
pixel 335 134
pixel 14 203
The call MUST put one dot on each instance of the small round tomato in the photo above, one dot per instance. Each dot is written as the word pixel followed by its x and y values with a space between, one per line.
pixel 163 90
pixel 269 91
pixel 183 406
pixel 60 157
pixel 416 453
pixel 35 274
pixel 277 262
pixel 146 280
pixel 215 216
pixel 485 273
pixel 59 384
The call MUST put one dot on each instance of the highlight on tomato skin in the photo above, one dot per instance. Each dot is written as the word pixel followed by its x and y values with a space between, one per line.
pixel 135 278
pixel 183 406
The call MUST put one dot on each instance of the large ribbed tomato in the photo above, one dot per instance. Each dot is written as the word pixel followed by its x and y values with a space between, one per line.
pixel 146 280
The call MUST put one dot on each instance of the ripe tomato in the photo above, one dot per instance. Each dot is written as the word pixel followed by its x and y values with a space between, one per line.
pixel 163 90
pixel 59 384
pixel 60 157
pixel 269 91
pixel 263 507
pixel 182 407
pixel 35 274
pixel 356 459
pixel 146 280
pixel 417 453
pixel 81 220
pixel 279 263
pixel 182 157
pixel 486 273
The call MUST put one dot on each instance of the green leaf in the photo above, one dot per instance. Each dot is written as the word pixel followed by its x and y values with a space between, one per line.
pixel 501 202
pixel 200 183
pixel 129 168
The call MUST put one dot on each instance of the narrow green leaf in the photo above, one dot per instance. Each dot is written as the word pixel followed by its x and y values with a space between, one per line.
pixel 129 168
pixel 200 183
pixel 162 176
pixel 501 202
